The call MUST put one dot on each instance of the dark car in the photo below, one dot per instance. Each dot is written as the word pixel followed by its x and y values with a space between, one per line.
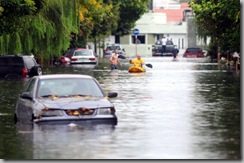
pixel 19 66
pixel 193 53
pixel 157 49
pixel 110 49
pixel 64 99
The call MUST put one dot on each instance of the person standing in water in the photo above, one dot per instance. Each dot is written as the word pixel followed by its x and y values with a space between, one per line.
pixel 175 52
pixel 114 59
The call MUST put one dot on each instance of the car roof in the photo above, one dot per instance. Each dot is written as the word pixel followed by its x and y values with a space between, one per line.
pixel 113 44
pixel 64 76
pixel 12 55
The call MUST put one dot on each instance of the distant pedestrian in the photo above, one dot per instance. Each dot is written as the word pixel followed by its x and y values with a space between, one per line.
pixel 228 56
pixel 138 41
pixel 236 58
pixel 164 41
pixel 175 52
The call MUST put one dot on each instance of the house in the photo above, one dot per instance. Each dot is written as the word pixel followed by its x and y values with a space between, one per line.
pixel 173 21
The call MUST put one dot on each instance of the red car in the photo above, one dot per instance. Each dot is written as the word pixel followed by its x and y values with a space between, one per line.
pixel 66 58
pixel 194 53
pixel 69 53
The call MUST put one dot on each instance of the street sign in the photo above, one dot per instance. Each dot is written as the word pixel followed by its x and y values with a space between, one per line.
pixel 136 31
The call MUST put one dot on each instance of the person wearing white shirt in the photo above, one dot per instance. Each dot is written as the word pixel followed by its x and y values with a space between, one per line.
pixel 164 40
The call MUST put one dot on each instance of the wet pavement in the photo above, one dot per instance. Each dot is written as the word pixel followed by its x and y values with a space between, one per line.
pixel 185 109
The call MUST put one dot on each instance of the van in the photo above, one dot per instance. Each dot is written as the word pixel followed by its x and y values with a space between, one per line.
pixel 19 66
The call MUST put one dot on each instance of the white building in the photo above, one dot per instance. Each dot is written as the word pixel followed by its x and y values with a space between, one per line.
pixel 172 20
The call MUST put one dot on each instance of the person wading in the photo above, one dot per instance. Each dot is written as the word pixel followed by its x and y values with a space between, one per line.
pixel 115 60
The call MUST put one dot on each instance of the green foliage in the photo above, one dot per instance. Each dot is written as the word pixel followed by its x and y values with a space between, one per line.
pixel 219 19
pixel 46 28
pixel 12 12
pixel 45 34
pixel 130 12
pixel 14 45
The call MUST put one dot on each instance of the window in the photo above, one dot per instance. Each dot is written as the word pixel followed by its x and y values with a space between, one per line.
pixel 30 87
pixel 141 39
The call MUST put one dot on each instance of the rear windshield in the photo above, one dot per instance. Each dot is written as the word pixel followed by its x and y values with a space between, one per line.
pixel 29 62
pixel 82 53
pixel 11 61
pixel 169 42
pixel 113 47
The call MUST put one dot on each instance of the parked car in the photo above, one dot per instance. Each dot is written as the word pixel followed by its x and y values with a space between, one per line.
pixel 19 66
pixel 157 49
pixel 66 57
pixel 84 56
pixel 64 60
pixel 69 53
pixel 194 53
pixel 110 49
pixel 64 98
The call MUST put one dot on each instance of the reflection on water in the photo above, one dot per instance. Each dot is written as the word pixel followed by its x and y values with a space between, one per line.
pixel 69 142
pixel 189 109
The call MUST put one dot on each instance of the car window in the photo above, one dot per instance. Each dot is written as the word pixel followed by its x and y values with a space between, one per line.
pixel 113 47
pixel 30 86
pixel 169 43
pixel 158 42
pixel 82 53
pixel 29 62
pixel 4 62
pixel 17 62
pixel 71 51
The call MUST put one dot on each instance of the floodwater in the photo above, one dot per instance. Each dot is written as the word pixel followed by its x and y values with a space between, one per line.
pixel 185 109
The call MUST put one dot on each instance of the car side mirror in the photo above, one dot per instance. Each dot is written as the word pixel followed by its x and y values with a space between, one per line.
pixel 26 95
pixel 112 94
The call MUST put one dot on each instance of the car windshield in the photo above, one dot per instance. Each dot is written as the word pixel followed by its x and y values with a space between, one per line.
pixel 82 53
pixel 113 47
pixel 69 87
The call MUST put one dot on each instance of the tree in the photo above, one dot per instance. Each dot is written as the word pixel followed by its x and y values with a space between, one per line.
pixel 12 11
pixel 219 19
pixel 130 12
pixel 46 33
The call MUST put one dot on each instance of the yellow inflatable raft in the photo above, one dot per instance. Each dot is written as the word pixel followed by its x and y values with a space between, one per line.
pixel 136 69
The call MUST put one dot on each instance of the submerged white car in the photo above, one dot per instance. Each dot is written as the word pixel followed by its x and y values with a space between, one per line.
pixel 84 56
pixel 64 98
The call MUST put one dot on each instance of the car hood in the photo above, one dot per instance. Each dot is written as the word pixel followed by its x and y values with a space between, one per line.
pixel 75 103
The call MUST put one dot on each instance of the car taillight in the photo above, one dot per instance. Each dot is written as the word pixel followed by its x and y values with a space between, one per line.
pixel 74 59
pixel 91 59
pixel 24 72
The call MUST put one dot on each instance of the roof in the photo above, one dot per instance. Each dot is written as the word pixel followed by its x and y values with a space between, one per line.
pixel 174 15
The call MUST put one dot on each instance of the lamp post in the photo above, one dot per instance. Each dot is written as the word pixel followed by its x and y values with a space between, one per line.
pixel 136 32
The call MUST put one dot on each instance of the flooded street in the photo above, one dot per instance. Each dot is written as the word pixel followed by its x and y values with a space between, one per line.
pixel 186 109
